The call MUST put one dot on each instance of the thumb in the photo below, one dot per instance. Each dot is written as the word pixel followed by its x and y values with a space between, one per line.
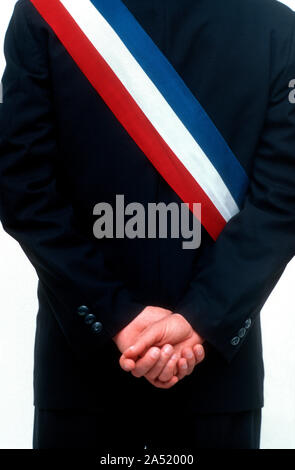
pixel 126 364
pixel 148 338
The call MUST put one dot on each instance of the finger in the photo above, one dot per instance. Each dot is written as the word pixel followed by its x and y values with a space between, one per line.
pixel 169 369
pixel 166 353
pixel 165 385
pixel 182 368
pixel 147 362
pixel 126 364
pixel 150 336
pixel 191 360
pixel 199 353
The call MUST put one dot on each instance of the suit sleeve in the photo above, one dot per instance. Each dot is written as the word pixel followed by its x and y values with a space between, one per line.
pixel 70 265
pixel 234 278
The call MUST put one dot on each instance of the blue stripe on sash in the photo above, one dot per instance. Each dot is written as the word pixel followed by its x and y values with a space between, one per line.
pixel 177 94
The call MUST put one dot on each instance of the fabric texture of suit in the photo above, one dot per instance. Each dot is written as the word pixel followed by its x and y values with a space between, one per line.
pixel 62 151
pixel 134 431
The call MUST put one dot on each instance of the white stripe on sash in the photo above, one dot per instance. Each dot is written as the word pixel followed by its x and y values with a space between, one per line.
pixel 152 103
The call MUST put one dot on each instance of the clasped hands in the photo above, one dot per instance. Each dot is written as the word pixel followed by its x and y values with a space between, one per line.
pixel 161 346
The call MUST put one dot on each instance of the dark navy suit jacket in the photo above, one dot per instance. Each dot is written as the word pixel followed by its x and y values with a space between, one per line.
pixel 62 151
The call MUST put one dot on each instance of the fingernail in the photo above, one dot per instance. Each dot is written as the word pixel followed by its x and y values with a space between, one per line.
pixel 184 365
pixel 127 368
pixel 155 353
pixel 168 349
pixel 199 351
pixel 174 357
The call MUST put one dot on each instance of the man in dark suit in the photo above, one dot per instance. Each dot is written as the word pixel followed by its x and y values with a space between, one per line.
pixel 62 151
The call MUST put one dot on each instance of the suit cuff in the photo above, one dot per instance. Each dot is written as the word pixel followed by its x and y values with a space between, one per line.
pixel 88 326
pixel 226 338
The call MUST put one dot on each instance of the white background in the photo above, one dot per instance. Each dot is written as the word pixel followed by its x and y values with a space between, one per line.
pixel 17 328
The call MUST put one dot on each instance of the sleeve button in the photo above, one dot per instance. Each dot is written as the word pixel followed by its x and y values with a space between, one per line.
pixel 89 319
pixel 82 310
pixel 235 341
pixel 248 323
pixel 96 327
pixel 242 332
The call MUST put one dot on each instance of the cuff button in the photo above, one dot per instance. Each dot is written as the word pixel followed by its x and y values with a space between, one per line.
pixel 96 327
pixel 82 310
pixel 235 341
pixel 242 332
pixel 89 319
pixel 248 323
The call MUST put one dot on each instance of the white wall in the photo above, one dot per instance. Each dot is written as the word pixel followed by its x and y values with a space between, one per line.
pixel 17 324
pixel 18 312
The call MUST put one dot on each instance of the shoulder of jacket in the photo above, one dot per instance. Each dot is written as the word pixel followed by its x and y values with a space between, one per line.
pixel 26 9
pixel 272 13
pixel 27 16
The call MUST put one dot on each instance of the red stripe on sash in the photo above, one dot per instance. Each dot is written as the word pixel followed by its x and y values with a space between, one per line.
pixel 128 113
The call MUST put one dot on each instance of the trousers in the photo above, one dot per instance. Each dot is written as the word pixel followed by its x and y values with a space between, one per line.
pixel 136 430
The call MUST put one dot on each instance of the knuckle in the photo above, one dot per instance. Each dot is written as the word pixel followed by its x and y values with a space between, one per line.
pixel 137 373
pixel 177 316
pixel 152 375
pixel 162 378
pixel 159 385
pixel 165 377
pixel 121 362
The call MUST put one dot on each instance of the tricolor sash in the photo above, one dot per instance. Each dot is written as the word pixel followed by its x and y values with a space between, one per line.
pixel 152 102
